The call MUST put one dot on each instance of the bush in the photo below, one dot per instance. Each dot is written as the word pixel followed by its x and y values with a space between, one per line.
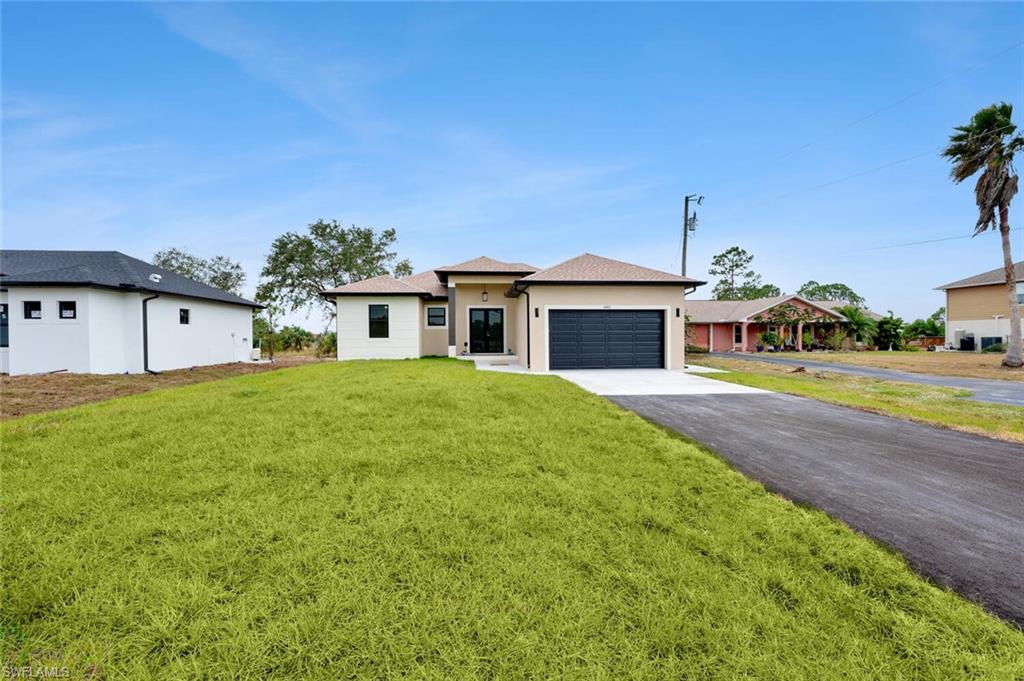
pixel 695 349
pixel 995 347
pixel 770 339
pixel 293 338
pixel 835 340
pixel 327 344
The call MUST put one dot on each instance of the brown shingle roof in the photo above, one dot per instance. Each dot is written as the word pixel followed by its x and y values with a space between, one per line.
pixel 382 285
pixel 588 268
pixel 483 264
pixel 708 311
pixel 995 276
pixel 427 281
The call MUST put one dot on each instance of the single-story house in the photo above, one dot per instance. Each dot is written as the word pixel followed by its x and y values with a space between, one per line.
pixel 103 312
pixel 585 313
pixel 978 309
pixel 736 325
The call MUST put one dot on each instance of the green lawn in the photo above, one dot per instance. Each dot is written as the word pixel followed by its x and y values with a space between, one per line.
pixel 945 407
pixel 420 518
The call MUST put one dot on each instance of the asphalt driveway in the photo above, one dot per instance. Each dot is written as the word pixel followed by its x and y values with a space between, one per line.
pixel 984 390
pixel 951 503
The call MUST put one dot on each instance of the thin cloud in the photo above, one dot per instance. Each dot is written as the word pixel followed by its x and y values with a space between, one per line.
pixel 333 86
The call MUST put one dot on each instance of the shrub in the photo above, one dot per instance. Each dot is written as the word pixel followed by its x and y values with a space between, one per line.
pixel 327 344
pixel 770 339
pixel 995 347
pixel 835 340
pixel 695 349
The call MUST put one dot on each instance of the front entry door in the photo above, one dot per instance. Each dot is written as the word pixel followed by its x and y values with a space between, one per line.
pixel 486 330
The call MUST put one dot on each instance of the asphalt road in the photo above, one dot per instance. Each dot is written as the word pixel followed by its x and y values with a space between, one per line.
pixel 984 390
pixel 951 503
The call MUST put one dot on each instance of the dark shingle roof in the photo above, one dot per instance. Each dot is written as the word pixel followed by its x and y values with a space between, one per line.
pixel 107 269
pixel 995 276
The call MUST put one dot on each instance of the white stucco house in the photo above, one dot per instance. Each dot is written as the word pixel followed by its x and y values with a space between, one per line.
pixel 103 312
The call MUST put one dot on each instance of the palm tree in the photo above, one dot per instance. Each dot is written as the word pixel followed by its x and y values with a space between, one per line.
pixel 988 144
pixel 858 323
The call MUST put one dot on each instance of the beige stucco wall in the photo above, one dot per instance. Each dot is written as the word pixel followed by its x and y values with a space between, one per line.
pixel 433 339
pixel 606 297
pixel 469 295
pixel 977 302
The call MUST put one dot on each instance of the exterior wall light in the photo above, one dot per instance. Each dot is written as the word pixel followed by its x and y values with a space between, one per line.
pixel 483 296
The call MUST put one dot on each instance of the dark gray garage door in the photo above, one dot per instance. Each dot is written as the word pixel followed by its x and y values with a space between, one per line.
pixel 606 339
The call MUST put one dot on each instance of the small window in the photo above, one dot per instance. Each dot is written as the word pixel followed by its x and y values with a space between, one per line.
pixel 436 316
pixel 67 309
pixel 33 309
pixel 378 321
pixel 1020 293
pixel 737 334
pixel 3 325
pixel 183 315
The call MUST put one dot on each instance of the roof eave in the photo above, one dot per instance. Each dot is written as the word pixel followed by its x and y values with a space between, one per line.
pixel 128 288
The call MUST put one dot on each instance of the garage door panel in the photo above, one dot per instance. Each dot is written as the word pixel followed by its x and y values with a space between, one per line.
pixel 596 339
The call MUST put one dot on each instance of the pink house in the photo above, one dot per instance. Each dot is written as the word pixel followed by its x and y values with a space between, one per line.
pixel 736 325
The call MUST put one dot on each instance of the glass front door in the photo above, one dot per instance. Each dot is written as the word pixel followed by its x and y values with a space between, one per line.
pixel 486 330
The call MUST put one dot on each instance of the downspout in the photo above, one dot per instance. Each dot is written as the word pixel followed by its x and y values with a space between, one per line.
pixel 145 334
pixel 529 313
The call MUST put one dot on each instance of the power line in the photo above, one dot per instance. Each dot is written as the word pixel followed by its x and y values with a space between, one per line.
pixel 929 241
pixel 901 100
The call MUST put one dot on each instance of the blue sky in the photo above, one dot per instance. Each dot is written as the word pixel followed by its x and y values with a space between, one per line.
pixel 525 132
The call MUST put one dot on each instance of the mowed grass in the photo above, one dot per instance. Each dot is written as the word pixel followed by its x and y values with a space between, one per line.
pixel 420 518
pixel 965 364
pixel 944 407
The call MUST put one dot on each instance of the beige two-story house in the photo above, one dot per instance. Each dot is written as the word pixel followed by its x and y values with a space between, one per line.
pixel 585 313
pixel 978 309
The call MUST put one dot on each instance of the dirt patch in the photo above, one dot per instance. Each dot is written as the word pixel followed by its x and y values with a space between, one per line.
pixel 21 395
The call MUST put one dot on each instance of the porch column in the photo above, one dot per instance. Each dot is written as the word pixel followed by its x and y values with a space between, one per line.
pixel 451 320
pixel 711 337
pixel 743 335
pixel 799 336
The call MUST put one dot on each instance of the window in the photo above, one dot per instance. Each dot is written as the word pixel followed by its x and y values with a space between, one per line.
pixel 67 309
pixel 183 315
pixel 737 334
pixel 378 321
pixel 3 325
pixel 33 309
pixel 1020 292
pixel 436 316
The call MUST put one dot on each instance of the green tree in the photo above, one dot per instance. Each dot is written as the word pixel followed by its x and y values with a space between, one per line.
pixel 738 281
pixel 988 144
pixel 328 255
pixel 219 271
pixel 889 332
pixel 934 325
pixel 812 290
pixel 265 320
pixel 858 323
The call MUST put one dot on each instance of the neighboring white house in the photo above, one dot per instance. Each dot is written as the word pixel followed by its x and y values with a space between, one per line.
pixel 585 313
pixel 103 312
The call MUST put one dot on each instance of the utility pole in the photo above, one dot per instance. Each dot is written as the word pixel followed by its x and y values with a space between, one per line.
pixel 688 225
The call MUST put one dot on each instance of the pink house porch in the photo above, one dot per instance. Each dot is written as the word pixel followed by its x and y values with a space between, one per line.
pixel 737 325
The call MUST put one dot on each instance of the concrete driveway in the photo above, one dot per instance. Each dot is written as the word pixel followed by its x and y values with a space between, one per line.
pixel 951 503
pixel 651 382
pixel 984 390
